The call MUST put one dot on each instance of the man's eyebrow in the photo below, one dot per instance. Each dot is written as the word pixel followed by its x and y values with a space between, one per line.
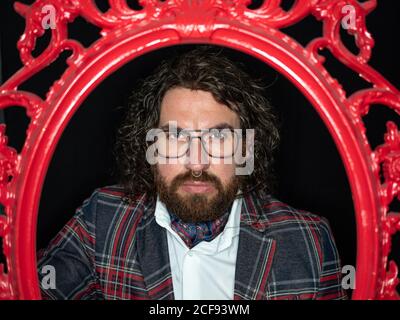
pixel 165 127
pixel 222 125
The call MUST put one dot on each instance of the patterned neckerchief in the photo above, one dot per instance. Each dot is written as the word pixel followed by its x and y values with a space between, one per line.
pixel 192 233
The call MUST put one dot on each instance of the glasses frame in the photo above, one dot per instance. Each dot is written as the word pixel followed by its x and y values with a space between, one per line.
pixel 236 139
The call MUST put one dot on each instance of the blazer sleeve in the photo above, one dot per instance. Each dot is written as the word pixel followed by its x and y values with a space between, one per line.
pixel 71 255
pixel 330 281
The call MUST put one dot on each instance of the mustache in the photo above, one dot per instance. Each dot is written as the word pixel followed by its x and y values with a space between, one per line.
pixel 187 177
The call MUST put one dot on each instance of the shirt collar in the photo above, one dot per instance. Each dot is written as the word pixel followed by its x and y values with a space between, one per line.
pixel 221 242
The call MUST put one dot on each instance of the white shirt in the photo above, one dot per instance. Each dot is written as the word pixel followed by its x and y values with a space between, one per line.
pixel 207 271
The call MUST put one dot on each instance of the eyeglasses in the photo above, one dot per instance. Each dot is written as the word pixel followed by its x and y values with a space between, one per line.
pixel 218 143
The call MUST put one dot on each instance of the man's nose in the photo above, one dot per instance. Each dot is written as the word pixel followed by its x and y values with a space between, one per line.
pixel 196 157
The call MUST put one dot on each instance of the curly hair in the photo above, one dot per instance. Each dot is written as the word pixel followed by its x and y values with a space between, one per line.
pixel 202 68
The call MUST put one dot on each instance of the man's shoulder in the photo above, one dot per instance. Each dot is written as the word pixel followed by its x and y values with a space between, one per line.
pixel 115 195
pixel 108 200
pixel 269 212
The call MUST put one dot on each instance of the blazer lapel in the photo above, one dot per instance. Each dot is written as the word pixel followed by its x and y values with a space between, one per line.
pixel 255 252
pixel 254 257
pixel 154 257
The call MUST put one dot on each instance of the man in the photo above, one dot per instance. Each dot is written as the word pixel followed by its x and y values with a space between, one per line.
pixel 193 216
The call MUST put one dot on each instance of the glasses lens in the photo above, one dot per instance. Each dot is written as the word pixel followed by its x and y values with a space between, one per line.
pixel 172 144
pixel 220 143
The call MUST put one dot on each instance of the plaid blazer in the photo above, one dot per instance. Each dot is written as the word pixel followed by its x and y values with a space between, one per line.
pixel 112 250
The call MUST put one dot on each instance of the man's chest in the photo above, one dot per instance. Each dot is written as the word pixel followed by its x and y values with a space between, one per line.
pixel 207 271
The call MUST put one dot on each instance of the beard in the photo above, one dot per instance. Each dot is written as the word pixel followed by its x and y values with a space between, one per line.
pixel 196 207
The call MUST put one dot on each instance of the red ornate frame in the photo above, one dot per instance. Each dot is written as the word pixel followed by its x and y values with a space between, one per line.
pixel 128 33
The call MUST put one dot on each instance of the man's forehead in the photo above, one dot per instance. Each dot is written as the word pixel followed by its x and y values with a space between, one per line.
pixel 195 109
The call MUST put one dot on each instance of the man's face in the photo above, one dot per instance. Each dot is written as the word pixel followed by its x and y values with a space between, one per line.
pixel 210 195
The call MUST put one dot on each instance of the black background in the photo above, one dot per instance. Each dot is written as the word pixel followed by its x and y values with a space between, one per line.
pixel 309 167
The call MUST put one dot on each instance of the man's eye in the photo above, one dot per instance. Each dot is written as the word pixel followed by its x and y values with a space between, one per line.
pixel 218 135
pixel 176 135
